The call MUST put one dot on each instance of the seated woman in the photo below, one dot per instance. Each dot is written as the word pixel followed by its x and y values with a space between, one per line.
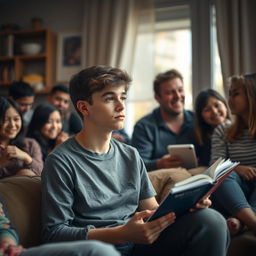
pixel 18 155
pixel 237 141
pixel 211 109
pixel 46 127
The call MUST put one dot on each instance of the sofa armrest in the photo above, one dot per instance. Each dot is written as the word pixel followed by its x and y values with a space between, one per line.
pixel 21 196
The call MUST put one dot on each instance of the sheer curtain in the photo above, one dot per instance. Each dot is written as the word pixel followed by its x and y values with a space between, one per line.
pixel 119 33
pixel 141 92
pixel 109 32
pixel 236 36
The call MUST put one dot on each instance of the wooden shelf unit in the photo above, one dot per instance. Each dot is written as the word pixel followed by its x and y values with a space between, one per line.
pixel 14 64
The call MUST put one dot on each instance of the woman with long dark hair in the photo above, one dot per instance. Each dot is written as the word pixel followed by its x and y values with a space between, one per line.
pixel 46 127
pixel 18 155
pixel 211 109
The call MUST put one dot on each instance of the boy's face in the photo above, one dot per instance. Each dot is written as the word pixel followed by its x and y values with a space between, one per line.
pixel 60 100
pixel 107 110
pixel 25 103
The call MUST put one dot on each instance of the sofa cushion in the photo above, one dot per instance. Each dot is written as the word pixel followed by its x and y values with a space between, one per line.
pixel 164 179
pixel 21 196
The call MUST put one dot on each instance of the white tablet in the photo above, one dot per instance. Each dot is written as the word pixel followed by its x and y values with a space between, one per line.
pixel 186 152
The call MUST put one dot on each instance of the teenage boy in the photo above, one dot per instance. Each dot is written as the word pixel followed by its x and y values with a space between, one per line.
pixel 9 244
pixel 95 187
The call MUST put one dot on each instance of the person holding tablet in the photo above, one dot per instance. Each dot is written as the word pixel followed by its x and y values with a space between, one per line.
pixel 168 124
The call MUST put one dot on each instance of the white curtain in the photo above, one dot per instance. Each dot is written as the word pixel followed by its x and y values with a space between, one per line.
pixel 236 36
pixel 119 33
pixel 109 31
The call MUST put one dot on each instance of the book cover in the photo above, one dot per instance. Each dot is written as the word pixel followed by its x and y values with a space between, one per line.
pixel 185 194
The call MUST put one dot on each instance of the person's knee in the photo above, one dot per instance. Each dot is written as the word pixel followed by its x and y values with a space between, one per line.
pixel 211 220
pixel 97 248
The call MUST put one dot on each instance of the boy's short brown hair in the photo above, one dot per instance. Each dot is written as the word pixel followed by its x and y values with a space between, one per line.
pixel 93 79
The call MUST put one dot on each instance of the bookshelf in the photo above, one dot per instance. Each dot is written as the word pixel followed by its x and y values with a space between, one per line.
pixel 15 65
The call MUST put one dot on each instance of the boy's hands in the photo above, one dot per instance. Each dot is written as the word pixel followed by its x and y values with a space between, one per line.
pixel 140 232
pixel 204 203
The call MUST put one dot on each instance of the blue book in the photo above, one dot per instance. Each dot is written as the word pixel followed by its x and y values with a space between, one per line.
pixel 185 194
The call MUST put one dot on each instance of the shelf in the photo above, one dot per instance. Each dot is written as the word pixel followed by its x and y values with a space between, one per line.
pixel 15 65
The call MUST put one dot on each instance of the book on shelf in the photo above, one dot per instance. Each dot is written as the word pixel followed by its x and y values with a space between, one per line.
pixel 7 45
pixel 185 194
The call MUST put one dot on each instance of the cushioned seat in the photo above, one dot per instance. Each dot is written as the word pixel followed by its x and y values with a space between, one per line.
pixel 22 197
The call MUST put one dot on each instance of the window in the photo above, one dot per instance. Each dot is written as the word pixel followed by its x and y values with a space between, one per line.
pixel 167 45
pixel 217 82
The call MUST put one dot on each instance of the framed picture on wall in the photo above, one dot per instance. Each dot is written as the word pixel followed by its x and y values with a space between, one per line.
pixel 69 48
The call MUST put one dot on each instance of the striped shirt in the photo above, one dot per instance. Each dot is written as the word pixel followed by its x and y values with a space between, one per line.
pixel 242 149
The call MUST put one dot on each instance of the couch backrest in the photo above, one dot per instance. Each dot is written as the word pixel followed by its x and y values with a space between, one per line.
pixel 21 196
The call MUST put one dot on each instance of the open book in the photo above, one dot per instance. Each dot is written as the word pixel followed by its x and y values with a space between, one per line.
pixel 185 194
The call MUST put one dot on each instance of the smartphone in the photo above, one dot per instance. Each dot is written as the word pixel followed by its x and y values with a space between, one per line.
pixel 186 152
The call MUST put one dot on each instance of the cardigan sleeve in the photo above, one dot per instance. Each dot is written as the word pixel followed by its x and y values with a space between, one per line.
pixel 34 150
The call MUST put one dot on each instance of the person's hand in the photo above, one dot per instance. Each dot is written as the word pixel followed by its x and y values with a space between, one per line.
pixel 169 161
pixel 118 136
pixel 10 250
pixel 204 203
pixel 61 138
pixel 25 172
pixel 140 232
pixel 11 152
pixel 4 160
pixel 247 172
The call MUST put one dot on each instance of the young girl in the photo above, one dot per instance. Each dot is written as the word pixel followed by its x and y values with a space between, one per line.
pixel 46 128
pixel 237 194
pixel 211 109
pixel 18 155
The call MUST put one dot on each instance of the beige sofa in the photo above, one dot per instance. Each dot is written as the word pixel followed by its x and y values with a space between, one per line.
pixel 22 195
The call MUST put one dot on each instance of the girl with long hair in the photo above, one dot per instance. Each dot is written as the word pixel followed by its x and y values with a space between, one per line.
pixel 237 195
pixel 46 128
pixel 18 155
pixel 211 109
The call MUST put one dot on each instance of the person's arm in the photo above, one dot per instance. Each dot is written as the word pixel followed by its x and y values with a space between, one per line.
pixel 36 165
pixel 57 201
pixel 142 139
pixel 8 235
pixel 219 144
pixel 136 230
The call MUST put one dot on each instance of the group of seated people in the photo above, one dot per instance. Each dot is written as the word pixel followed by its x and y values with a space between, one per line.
pixel 93 172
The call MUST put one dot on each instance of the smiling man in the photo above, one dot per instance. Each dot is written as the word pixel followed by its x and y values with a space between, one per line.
pixel 95 187
pixel 167 124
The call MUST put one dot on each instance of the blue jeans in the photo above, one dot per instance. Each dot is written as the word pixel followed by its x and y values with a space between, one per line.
pixel 77 248
pixel 234 194
pixel 203 232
